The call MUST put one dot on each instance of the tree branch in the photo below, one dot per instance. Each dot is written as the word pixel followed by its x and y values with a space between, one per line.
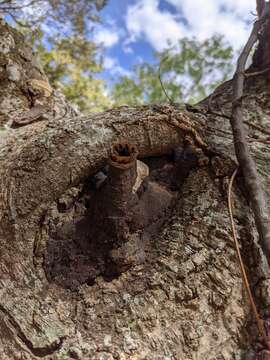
pixel 246 162
pixel 86 142
pixel 260 7
pixel 16 7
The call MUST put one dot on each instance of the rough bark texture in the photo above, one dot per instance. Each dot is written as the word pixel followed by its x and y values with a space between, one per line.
pixel 246 162
pixel 24 86
pixel 186 301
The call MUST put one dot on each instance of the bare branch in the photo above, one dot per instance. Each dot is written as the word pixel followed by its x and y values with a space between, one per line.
pixel 260 7
pixel 160 80
pixel 3 2
pixel 15 7
pixel 246 162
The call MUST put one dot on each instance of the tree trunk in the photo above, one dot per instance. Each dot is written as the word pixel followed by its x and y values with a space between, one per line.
pixel 60 297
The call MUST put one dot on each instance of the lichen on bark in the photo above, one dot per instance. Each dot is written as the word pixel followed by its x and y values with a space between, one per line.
pixel 186 301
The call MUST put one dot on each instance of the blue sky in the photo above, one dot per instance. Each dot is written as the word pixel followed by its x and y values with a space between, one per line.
pixel 132 29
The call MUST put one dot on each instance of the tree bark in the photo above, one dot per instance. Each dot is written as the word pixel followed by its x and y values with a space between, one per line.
pixel 246 162
pixel 261 58
pixel 186 301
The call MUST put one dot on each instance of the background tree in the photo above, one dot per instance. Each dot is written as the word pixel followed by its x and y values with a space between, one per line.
pixel 71 65
pixel 72 14
pixel 60 31
pixel 190 70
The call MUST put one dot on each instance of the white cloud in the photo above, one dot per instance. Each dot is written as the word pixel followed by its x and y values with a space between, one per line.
pixel 204 18
pixel 112 65
pixel 226 17
pixel 126 47
pixel 145 20
pixel 108 37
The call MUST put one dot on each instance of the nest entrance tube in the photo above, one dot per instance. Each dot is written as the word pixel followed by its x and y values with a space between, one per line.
pixel 118 198
pixel 112 214
pixel 121 179
pixel 123 153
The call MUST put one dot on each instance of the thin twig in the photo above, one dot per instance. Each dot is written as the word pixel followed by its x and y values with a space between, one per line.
pixel 16 7
pixel 259 141
pixel 16 20
pixel 256 73
pixel 259 321
pixel 160 79
pixel 258 127
pixel 245 160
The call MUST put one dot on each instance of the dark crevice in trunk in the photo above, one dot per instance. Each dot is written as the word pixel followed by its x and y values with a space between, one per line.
pixel 122 212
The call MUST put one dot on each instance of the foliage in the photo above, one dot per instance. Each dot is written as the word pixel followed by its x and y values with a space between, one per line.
pixel 71 65
pixel 60 36
pixel 61 14
pixel 189 72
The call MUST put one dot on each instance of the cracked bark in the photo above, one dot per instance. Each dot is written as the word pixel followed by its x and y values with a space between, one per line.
pixel 186 300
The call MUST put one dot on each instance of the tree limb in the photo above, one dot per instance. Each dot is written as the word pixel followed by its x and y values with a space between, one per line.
pixel 260 7
pixel 31 155
pixel 246 162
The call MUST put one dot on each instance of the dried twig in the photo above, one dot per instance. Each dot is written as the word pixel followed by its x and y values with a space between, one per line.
pixel 258 127
pixel 160 79
pixel 246 162
pixel 259 321
pixel 257 73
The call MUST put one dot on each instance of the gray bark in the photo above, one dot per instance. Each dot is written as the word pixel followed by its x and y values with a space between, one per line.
pixel 246 162
pixel 187 300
